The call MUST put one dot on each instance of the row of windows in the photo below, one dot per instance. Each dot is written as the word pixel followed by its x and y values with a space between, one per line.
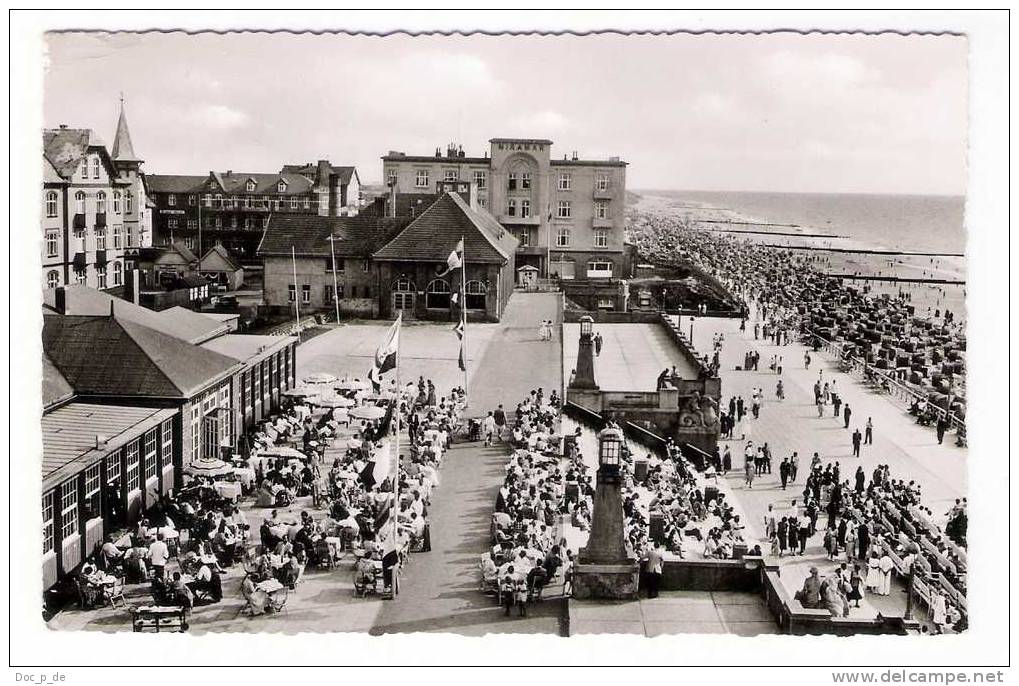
pixel 562 239
pixel 53 236
pixel 53 200
pixel 564 209
pixel 250 223
pixel 66 495
pixel 81 276
pixel 218 201
pixel 95 164
pixel 514 180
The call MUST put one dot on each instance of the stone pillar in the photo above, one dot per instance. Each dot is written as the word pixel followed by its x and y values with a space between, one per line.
pixel 603 570
pixel 584 378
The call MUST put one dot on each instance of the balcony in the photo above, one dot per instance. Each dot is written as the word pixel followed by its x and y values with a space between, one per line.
pixel 517 220
pixel 603 194
pixel 601 223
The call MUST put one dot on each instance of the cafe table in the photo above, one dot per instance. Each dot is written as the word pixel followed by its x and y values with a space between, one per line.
pixel 228 489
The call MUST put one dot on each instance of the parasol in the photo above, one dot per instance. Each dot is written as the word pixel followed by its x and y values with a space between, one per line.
pixel 298 392
pixel 283 451
pixel 337 401
pixel 209 466
pixel 368 412
pixel 320 377
pixel 355 385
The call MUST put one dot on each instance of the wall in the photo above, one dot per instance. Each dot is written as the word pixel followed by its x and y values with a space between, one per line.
pixel 422 273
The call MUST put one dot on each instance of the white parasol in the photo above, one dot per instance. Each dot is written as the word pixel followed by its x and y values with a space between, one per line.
pixel 367 412
pixel 283 451
pixel 335 401
pixel 209 466
pixel 355 385
pixel 320 377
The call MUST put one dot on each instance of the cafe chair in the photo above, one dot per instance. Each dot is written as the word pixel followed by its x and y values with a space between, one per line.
pixel 115 592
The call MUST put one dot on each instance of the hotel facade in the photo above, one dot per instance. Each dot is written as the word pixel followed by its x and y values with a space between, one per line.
pixel 567 214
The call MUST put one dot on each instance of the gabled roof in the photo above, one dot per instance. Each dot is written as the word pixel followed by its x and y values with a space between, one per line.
pixel 184 251
pixel 308 235
pixel 49 173
pixel 435 233
pixel 179 322
pixel 55 388
pixel 223 254
pixel 315 171
pixel 109 356
pixel 174 183
pixel 64 149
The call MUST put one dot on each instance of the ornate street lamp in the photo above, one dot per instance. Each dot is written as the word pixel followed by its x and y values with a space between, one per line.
pixel 610 449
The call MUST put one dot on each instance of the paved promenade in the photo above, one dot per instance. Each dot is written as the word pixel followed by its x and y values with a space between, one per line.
pixel 911 451
pixel 632 355
pixel 675 612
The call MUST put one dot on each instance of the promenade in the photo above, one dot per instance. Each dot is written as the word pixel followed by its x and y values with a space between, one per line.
pixel 910 451
pixel 632 355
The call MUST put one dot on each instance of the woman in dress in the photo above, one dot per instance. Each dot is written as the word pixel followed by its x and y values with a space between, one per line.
pixel 856 585
pixel 886 565
pixel 873 572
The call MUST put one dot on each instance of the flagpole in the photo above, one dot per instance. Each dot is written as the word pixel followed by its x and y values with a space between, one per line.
pixel 336 293
pixel 396 460
pixel 297 296
pixel 463 311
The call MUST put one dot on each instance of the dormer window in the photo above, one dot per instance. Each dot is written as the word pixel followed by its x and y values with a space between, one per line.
pixel 250 186
pixel 281 187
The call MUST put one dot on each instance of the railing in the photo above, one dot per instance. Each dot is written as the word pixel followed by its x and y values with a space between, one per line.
pixel 895 388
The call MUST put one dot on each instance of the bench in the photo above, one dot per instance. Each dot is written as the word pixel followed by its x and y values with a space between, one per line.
pixel 156 619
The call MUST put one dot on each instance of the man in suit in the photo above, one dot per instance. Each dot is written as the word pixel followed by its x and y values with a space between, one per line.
pixel 857 438
pixel 654 570
pixel 846 414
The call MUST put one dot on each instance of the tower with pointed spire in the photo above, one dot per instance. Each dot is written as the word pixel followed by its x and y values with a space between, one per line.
pixel 137 219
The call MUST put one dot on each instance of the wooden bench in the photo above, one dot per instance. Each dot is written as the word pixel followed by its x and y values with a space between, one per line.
pixel 156 619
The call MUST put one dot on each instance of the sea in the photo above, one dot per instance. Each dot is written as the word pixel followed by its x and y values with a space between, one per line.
pixel 912 223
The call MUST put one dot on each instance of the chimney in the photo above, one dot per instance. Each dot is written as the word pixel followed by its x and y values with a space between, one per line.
pixel 60 299
pixel 63 126
pixel 575 158
pixel 391 209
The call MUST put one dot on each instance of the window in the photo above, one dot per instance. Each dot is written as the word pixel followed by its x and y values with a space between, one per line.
pixel 276 204
pixel 218 222
pixel 51 204
pixel 113 468
pixel 151 468
pixel 100 203
pixel 563 211
pixel 476 292
pixel 93 491
pixel 171 200
pixel 101 276
pixel 166 444
pixel 117 232
pixel 207 200
pixel 437 295
pixel 451 175
pixel 233 222
pixel 599 269
pixel 293 203
pixel 130 239
pixel 81 276
pixel 265 202
pixel 52 279
pixel 281 187
pixel 51 243
pixel 128 202
pixel 479 179
pixel 601 238
pixel 95 167
pixel 602 182
pixel 69 509
pixel 562 238
pixel 47 523
pixel 192 199
pixel 511 207
pixel 235 202
pixel 525 208
pixel 291 293
pixel 247 202
pixel 329 294
pixel 189 242
pixel 421 178
pixel 391 179
pixel 482 202
pixel 601 210
pixel 171 223
pixel 565 182
pixel 79 203
pixel 511 181
pixel 305 294
pixel 133 480
pixel 218 201
pixel 250 186
pixel 116 202
pixel 404 285
pixel 84 168
pixel 525 180
pixel 307 203
pixel 525 238
pixel 118 274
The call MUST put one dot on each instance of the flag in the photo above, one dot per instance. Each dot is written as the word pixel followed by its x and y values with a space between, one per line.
pixel 385 354
pixel 383 429
pixel 455 259
pixel 378 470
pixel 459 329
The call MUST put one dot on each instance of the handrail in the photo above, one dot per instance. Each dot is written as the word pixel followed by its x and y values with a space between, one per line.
pixel 907 393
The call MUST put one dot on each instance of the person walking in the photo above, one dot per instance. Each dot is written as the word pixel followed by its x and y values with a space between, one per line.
pixel 868 432
pixel 488 428
pixel 803 534
pixel 500 422
pixel 748 470
pixel 779 390
pixel 846 414
pixel 783 471
pixel 794 466
pixel 836 403
pixel 820 408
pixel 655 563
pixel 806 360
pixel 597 344
pixel 857 438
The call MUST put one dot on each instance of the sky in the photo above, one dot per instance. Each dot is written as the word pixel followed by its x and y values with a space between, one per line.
pixel 778 112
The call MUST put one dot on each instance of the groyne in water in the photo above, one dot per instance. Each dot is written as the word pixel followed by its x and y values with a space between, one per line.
pixel 898 279
pixel 864 251
pixel 775 233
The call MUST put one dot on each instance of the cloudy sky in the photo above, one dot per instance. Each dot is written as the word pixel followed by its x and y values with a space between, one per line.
pixel 774 113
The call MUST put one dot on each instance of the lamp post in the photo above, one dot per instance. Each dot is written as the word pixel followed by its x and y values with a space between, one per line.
pixel 603 568
pixel 585 357
pixel 691 329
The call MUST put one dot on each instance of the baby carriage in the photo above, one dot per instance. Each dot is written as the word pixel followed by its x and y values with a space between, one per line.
pixel 473 430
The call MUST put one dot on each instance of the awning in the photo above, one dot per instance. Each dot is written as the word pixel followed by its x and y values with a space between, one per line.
pixel 100 219
pixel 79 261
pixel 101 258
pixel 78 222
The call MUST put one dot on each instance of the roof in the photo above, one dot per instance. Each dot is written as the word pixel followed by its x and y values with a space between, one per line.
pixel 312 170
pixel 435 159
pixel 110 356
pixel 218 250
pixel 123 150
pixel 248 347
pixel 49 173
pixel 70 435
pixel 179 322
pixel 184 251
pixel 173 183
pixel 408 205
pixel 434 234
pixel 587 163
pixel 55 388
pixel 308 234
pixel 64 148
pixel 543 141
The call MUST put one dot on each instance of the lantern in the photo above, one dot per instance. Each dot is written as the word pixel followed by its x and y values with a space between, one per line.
pixel 586 324
pixel 610 447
